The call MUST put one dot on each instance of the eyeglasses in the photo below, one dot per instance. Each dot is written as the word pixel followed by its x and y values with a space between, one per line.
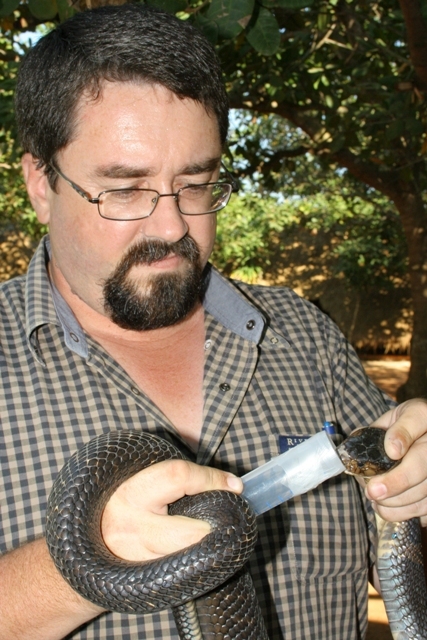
pixel 136 204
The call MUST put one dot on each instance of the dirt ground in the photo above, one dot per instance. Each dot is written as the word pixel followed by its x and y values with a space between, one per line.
pixel 388 373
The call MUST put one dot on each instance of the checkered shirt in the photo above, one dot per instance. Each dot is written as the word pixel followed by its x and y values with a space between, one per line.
pixel 275 369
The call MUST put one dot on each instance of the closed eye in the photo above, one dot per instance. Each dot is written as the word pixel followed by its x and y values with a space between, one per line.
pixel 194 190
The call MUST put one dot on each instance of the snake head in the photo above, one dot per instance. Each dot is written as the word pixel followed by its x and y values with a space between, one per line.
pixel 363 453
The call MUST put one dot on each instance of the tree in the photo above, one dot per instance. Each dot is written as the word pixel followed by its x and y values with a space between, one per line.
pixel 18 230
pixel 350 75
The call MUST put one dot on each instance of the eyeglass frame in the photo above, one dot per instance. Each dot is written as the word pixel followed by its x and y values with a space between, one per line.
pixel 231 181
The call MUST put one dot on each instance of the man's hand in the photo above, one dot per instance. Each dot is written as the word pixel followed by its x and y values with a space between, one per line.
pixel 401 493
pixel 135 524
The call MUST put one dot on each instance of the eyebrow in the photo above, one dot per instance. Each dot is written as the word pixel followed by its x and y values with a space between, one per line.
pixel 120 171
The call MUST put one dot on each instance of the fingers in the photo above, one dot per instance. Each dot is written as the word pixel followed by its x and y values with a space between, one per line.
pixel 405 424
pixel 152 536
pixel 408 504
pixel 135 524
pixel 171 480
pixel 409 473
pixel 401 493
pixel 416 510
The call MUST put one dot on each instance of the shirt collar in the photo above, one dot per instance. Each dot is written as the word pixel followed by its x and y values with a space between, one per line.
pixel 45 305
pixel 232 309
pixel 39 307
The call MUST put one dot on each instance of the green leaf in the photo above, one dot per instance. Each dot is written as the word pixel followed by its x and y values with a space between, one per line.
pixel 8 6
pixel 294 4
pixel 394 130
pixel 43 9
pixel 230 16
pixel 265 35
pixel 209 28
pixel 322 20
pixel 171 6
pixel 64 10
pixel 415 127
pixel 337 144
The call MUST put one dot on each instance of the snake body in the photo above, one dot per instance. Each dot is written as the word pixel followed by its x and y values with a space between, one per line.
pixel 75 506
pixel 207 586
pixel 399 550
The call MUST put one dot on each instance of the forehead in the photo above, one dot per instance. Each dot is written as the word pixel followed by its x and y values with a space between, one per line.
pixel 123 110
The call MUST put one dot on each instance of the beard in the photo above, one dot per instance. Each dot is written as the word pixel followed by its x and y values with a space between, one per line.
pixel 166 299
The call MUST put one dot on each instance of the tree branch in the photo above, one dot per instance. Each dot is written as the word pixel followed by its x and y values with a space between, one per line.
pixel 416 29
pixel 368 173
pixel 386 182
pixel 273 162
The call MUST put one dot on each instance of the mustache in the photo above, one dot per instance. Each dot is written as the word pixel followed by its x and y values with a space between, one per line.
pixel 149 251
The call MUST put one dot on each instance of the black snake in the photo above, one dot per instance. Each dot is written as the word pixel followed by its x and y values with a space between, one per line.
pixel 399 551
pixel 207 586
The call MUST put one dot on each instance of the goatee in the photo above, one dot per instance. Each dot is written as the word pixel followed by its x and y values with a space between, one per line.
pixel 166 298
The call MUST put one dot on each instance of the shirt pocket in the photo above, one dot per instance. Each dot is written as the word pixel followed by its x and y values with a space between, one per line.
pixel 328 531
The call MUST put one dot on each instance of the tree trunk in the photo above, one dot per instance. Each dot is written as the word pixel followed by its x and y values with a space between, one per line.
pixel 414 219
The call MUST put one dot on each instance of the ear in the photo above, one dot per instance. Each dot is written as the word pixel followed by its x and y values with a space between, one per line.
pixel 38 187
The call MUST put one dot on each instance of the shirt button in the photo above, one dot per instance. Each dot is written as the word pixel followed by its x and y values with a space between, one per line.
pixel 208 344
pixel 74 337
pixel 224 386
pixel 135 390
pixel 250 324
pixel 274 340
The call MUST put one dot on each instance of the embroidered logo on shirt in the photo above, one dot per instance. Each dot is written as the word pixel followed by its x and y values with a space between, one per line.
pixel 287 442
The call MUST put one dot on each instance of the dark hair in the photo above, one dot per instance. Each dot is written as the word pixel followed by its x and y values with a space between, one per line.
pixel 128 43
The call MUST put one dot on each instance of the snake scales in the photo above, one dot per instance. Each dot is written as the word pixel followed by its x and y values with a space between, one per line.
pixel 399 551
pixel 180 581
pixel 207 586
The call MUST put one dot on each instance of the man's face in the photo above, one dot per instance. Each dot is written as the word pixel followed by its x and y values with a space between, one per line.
pixel 135 136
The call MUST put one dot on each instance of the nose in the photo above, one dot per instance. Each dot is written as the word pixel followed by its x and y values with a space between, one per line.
pixel 166 222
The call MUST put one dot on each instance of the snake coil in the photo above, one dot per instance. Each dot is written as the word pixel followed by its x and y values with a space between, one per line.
pixel 73 536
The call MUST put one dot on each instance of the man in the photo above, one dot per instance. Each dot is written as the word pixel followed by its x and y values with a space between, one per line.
pixel 120 323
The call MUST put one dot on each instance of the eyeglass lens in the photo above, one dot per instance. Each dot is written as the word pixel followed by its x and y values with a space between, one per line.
pixel 128 204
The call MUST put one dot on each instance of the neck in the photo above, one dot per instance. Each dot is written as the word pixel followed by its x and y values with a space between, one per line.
pixel 167 363
pixel 104 330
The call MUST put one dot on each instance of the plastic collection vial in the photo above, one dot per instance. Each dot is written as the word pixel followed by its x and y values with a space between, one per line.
pixel 294 472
